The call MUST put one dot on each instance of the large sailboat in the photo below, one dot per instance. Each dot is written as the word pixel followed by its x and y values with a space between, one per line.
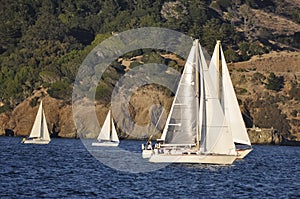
pixel 196 129
pixel 39 133
pixel 108 135
pixel 220 76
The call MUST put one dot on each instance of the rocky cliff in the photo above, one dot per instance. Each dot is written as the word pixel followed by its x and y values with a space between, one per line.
pixel 261 107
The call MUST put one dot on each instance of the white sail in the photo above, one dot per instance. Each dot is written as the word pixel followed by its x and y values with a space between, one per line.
pixel 39 133
pixel 105 130
pixel 226 94
pixel 214 69
pixel 181 123
pixel 196 118
pixel 231 107
pixel 114 135
pixel 37 126
pixel 216 138
pixel 45 133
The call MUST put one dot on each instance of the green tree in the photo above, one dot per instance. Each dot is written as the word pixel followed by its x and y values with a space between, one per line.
pixel 211 33
pixel 274 82
pixel 60 90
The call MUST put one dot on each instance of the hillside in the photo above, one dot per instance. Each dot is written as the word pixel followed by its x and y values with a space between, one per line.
pixel 42 45
pixel 265 108
pixel 268 108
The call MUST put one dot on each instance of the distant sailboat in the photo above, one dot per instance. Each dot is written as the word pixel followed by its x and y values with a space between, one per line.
pixel 39 133
pixel 196 130
pixel 108 135
pixel 226 94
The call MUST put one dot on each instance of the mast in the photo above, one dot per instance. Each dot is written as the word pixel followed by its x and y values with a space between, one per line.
pixel 197 91
pixel 218 66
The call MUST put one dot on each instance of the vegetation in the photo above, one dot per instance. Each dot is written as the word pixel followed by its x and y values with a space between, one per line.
pixel 295 92
pixel 43 43
pixel 274 82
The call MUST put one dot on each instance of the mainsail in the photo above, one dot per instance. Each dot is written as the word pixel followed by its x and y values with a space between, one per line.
pixel 181 123
pixel 105 130
pixel 37 125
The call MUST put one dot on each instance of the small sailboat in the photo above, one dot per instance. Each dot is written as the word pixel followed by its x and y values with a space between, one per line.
pixel 108 135
pixel 220 76
pixel 196 129
pixel 39 133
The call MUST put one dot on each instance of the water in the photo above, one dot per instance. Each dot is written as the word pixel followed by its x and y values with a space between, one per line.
pixel 65 169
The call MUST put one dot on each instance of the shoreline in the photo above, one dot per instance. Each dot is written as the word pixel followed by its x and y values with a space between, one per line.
pixel 284 142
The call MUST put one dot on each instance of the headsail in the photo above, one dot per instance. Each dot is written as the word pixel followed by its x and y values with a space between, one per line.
pixel 45 133
pixel 114 135
pixel 215 137
pixel 226 94
pixel 214 69
pixel 231 107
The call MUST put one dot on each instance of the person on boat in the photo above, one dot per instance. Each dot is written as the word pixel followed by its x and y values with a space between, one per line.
pixel 149 145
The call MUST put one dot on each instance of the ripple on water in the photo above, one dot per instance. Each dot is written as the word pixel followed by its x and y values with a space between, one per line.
pixel 64 168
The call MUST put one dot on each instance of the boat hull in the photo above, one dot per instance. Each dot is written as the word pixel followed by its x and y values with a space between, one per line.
pixel 243 153
pixel 36 141
pixel 193 158
pixel 113 144
pixel 147 153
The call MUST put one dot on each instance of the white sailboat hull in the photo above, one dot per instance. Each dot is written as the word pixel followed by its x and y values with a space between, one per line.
pixel 243 153
pixel 193 158
pixel 147 153
pixel 113 144
pixel 36 141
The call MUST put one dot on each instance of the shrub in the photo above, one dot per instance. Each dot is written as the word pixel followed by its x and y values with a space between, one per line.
pixel 274 82
pixel 241 91
pixel 295 92
pixel 60 90
pixel 258 77
pixel 294 113
pixel 33 102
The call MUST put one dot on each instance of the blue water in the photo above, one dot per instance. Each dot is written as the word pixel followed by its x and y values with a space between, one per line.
pixel 65 169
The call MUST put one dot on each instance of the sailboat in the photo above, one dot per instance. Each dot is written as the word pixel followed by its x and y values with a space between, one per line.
pixel 39 133
pixel 196 129
pixel 222 82
pixel 108 135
